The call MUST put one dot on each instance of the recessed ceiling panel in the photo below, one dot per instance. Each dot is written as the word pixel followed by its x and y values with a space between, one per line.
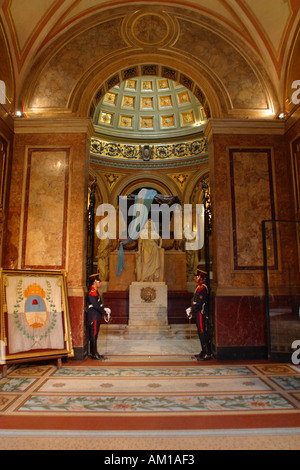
pixel 149 107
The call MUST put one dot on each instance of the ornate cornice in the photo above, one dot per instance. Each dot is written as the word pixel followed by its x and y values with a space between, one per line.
pixel 244 126
pixel 154 165
pixel 151 155
pixel 50 126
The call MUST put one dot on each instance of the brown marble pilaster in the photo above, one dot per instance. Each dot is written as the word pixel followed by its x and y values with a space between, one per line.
pixel 63 146
pixel 250 182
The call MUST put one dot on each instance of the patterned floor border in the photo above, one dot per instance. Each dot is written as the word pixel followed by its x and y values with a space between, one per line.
pixel 151 391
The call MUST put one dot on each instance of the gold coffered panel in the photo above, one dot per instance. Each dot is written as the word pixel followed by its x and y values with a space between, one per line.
pixel 131 85
pixel 135 106
pixel 126 121
pixel 163 85
pixel 106 118
pixel 128 101
pixel 110 98
pixel 187 118
pixel 147 122
pixel 147 85
pixel 165 101
pixel 147 102
pixel 183 98
pixel 168 121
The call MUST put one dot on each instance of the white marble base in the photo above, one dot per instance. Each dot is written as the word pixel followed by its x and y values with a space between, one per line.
pixel 180 341
pixel 148 305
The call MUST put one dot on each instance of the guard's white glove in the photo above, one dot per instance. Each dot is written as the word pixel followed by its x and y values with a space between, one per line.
pixel 107 314
pixel 189 313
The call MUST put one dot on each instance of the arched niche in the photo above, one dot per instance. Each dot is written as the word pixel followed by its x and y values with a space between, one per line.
pixel 84 62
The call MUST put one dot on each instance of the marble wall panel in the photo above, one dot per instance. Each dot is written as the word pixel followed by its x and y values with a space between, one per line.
pixel 240 321
pixel 3 172
pixel 296 171
pixel 73 149
pixel 3 165
pixel 252 202
pixel 221 186
pixel 46 209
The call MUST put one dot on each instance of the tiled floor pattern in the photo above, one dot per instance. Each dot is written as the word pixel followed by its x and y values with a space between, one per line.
pixel 151 389
pixel 150 393
pixel 99 393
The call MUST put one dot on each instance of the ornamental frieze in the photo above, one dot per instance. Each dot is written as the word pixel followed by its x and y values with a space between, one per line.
pixel 149 152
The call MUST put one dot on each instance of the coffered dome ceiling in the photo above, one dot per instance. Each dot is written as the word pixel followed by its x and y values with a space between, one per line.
pixel 147 108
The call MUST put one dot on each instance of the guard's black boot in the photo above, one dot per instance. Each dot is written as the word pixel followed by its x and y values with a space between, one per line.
pixel 199 356
pixel 97 355
pixel 204 350
pixel 93 349
pixel 207 357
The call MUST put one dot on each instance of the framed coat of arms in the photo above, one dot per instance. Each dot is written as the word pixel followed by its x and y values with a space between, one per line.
pixel 34 320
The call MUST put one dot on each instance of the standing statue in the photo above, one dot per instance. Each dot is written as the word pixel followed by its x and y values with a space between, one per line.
pixel 104 249
pixel 191 255
pixel 150 256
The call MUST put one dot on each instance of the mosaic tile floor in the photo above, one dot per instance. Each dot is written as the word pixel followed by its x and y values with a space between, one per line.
pixel 150 389
pixel 138 389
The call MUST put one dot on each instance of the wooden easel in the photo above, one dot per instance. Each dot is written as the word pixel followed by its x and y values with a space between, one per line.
pixel 19 361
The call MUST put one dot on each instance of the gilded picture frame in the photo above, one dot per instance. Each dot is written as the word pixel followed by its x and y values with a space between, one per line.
pixel 35 320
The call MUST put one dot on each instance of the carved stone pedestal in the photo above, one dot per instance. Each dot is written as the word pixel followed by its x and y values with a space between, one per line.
pixel 148 305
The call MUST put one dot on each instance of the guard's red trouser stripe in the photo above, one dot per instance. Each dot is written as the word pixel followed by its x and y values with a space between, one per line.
pixel 201 324
pixel 95 327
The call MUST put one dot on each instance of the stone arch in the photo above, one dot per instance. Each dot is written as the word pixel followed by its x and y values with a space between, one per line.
pixel 83 62
pixel 193 192
pixel 153 70
pixel 136 181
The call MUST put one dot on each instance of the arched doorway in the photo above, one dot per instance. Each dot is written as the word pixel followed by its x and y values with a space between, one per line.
pixel 149 134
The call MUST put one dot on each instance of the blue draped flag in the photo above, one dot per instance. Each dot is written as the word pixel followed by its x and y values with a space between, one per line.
pixel 145 197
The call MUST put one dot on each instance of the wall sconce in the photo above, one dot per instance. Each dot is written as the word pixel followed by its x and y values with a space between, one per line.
pixel 281 115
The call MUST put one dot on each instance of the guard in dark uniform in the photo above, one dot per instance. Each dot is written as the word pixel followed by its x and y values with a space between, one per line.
pixel 199 309
pixel 95 310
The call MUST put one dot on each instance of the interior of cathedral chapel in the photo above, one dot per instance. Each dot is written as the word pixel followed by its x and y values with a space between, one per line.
pixel 154 146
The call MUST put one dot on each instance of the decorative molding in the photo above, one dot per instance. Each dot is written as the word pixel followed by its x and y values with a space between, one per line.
pixel 236 291
pixel 137 165
pixel 74 291
pixel 54 126
pixel 157 152
pixel 244 126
